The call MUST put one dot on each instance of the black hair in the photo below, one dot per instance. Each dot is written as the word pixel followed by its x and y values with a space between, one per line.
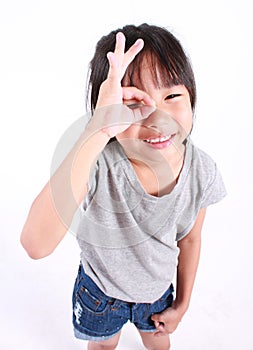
pixel 167 57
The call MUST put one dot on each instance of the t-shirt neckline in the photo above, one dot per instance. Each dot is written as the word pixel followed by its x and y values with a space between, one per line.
pixel 132 176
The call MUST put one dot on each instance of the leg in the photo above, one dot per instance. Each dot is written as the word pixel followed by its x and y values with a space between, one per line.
pixel 155 343
pixel 109 344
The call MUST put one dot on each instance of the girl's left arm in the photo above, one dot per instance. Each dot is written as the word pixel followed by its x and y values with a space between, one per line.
pixel 167 321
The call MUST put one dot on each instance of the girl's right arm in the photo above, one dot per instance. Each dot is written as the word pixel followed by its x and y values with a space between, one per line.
pixel 52 211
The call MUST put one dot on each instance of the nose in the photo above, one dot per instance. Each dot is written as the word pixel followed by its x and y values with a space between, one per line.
pixel 160 122
pixel 156 118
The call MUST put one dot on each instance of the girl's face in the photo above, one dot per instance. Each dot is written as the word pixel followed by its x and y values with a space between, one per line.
pixel 169 125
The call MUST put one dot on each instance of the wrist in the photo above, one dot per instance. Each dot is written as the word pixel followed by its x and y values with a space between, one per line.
pixel 180 306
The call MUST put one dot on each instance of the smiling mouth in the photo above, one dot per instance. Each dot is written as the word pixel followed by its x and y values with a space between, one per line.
pixel 160 139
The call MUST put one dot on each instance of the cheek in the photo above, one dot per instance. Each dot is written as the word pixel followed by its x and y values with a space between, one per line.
pixel 184 117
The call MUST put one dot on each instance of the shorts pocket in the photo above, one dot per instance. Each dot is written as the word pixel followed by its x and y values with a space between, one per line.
pixel 91 301
pixel 92 312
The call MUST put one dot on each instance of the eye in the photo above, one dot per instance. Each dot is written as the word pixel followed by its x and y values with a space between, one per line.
pixel 171 96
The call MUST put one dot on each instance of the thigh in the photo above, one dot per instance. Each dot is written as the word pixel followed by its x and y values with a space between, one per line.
pixel 150 341
pixel 109 343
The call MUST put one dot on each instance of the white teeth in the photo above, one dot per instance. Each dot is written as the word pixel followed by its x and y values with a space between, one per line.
pixel 159 139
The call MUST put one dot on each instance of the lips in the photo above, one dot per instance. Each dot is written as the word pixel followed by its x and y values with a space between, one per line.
pixel 160 141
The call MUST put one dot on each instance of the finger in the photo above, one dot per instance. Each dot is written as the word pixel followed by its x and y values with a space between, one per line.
pixel 120 44
pixel 156 318
pixel 119 60
pixel 116 58
pixel 132 93
pixel 160 329
pixel 133 51
pixel 111 59
pixel 114 72
pixel 157 324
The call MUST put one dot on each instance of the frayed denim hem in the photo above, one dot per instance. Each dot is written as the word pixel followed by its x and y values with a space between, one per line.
pixel 147 330
pixel 84 336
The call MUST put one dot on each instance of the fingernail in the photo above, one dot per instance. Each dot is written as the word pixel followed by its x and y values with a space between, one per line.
pixel 138 42
pixel 120 34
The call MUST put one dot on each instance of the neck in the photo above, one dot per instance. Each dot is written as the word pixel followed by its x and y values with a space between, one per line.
pixel 158 176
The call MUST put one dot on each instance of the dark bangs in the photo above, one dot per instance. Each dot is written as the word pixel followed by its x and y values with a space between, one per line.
pixel 164 73
pixel 166 59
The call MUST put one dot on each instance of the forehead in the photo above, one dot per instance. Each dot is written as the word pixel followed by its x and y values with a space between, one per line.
pixel 148 68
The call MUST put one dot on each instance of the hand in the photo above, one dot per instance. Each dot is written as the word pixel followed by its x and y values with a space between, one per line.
pixel 167 321
pixel 111 92
pixel 111 114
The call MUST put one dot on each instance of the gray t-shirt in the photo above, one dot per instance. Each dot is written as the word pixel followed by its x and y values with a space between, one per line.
pixel 127 236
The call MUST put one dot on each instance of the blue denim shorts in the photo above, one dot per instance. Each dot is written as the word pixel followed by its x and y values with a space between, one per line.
pixel 98 317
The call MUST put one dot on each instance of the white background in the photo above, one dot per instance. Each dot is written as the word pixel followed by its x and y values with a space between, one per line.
pixel 45 50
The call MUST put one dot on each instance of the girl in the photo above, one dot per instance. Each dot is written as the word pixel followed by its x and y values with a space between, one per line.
pixel 143 189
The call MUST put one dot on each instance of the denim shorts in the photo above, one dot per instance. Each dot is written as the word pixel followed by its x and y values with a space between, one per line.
pixel 98 317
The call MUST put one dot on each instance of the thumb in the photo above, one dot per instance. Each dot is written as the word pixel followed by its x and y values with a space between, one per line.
pixel 156 318
pixel 157 324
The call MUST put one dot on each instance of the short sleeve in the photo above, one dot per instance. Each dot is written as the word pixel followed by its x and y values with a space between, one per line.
pixel 214 191
pixel 93 179
pixel 92 182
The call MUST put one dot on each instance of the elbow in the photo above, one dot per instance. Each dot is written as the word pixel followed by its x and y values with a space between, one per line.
pixel 34 255
pixel 33 249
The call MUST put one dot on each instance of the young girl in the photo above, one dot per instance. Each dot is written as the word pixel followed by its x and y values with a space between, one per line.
pixel 143 189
